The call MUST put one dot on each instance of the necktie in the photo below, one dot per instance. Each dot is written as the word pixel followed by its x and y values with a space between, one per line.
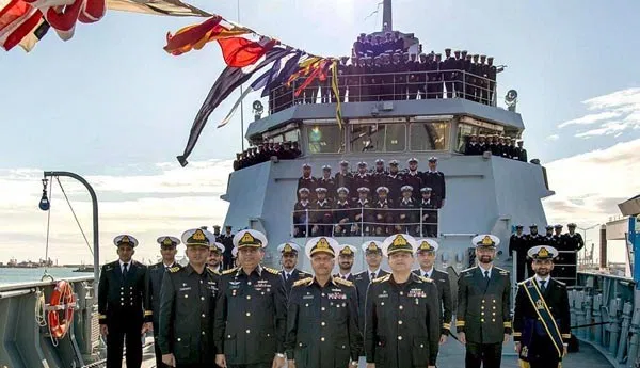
pixel 543 285
pixel 373 276
pixel 486 276
pixel 124 270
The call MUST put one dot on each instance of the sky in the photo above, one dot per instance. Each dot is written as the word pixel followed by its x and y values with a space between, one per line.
pixel 113 106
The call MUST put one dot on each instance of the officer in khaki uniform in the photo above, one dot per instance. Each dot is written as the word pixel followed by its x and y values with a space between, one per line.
pixel 402 322
pixel 484 315
pixel 251 312
pixel 187 301
pixel 322 318
pixel 155 275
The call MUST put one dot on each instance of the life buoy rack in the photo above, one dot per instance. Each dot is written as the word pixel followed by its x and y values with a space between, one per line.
pixel 61 309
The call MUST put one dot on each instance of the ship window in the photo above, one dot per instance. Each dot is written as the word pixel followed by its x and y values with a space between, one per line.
pixel 292 135
pixel 465 130
pixel 377 137
pixel 325 139
pixel 429 136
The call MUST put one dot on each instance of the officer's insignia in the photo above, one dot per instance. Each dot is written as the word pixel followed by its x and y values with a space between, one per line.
pixel 199 235
pixel 399 241
pixel 381 279
pixel 425 246
pixel 125 240
pixel 304 281
pixel 487 240
pixel 247 238
pixel 426 279
pixel 346 251
pixel 287 248
pixel 334 296
pixel 543 253
pixel 174 269
pixel 167 241
pixel 373 247
pixel 271 270
pixel 539 304
pixel 232 270
pixel 341 281
pixel 502 272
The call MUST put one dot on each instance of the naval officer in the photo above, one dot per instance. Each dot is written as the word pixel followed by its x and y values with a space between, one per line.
pixel 121 295
pixel 187 301
pixel 373 256
pixel 289 272
pixel 251 312
pixel 322 318
pixel 542 317
pixel 215 258
pixel 346 255
pixel 156 272
pixel 484 315
pixel 402 322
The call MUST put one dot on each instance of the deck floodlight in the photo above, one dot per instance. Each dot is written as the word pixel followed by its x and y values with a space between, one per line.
pixel 511 99
pixel 257 109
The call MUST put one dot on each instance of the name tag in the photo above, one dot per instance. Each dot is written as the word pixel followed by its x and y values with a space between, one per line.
pixel 441 280
pixel 185 288
pixel 385 295
pixel 308 296
pixel 337 296
pixel 234 285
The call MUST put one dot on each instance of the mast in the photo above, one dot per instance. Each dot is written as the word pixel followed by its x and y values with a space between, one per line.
pixel 387 17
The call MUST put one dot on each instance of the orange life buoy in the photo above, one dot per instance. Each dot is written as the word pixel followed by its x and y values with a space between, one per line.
pixel 61 309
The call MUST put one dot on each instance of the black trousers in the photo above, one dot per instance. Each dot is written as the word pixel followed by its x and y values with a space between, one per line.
pixel 259 365
pixel 124 327
pixel 485 355
pixel 521 265
pixel 212 365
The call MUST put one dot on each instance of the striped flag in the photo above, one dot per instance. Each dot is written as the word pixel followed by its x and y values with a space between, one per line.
pixel 334 87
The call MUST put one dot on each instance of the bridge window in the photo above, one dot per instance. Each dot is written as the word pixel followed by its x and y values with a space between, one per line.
pixel 429 136
pixel 479 128
pixel 325 139
pixel 377 137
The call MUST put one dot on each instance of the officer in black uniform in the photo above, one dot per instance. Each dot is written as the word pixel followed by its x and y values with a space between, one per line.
pixel 187 307
pixel 518 243
pixel 227 240
pixel 346 254
pixel 428 214
pixel 572 244
pixel 302 214
pixel 121 296
pixel 522 152
pixel 251 311
pixel 308 181
pixel 321 214
pixel 402 323
pixel 322 317
pixel 532 239
pixel 426 252
pixel 413 178
pixel 435 180
pixel 542 316
pixel 342 213
pixel 343 178
pixel 484 314
pixel 548 238
pixel 214 261
pixel 290 273
pixel 373 256
pixel 156 272
pixel 328 183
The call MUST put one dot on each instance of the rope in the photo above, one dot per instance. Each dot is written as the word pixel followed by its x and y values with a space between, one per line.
pixel 74 215
pixel 41 319
pixel 46 252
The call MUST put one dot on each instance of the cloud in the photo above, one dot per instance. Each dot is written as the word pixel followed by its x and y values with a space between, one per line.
pixel 613 114
pixel 553 137
pixel 166 202
pixel 590 186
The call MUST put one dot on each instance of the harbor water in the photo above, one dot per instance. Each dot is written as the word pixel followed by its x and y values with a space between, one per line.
pixel 23 275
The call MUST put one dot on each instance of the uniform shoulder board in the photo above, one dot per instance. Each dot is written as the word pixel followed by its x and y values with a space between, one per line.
pixel 381 279
pixel 214 272
pixel 174 269
pixel 426 279
pixel 501 271
pixel 231 270
pixel 303 281
pixel 271 270
pixel 341 281
pixel 560 283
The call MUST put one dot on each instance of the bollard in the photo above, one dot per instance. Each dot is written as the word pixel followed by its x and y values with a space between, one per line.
pixel 597 318
pixel 614 326
pixel 588 303
pixel 624 334
pixel 634 329
pixel 580 313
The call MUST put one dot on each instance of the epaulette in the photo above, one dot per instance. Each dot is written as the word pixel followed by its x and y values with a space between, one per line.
pixel 271 270
pixel 231 270
pixel 215 272
pixel 560 283
pixel 501 271
pixel 341 281
pixel 467 270
pixel 174 269
pixel 381 279
pixel 306 280
pixel 426 279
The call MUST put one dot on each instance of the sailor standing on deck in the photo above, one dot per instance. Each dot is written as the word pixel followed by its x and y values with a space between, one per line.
pixel 290 273
pixel 251 312
pixel 518 243
pixel 542 316
pixel 426 251
pixel 484 315
pixel 187 302
pixel 322 325
pixel 121 295
pixel 156 272
pixel 402 320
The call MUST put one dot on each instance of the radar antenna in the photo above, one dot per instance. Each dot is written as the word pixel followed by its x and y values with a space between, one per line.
pixel 387 17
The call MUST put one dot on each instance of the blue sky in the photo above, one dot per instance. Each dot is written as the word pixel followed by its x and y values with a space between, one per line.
pixel 112 105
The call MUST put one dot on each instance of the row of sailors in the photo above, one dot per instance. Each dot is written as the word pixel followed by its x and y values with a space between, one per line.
pixel 365 217
pixel 399 76
pixel 392 179
pixel 368 45
pixel 255 316
pixel 505 147
pixel 263 153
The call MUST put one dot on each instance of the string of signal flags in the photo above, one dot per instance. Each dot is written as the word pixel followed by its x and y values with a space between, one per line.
pixel 245 52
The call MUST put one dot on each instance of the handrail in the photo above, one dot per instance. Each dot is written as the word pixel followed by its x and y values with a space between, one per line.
pixel 40 284
pixel 430 84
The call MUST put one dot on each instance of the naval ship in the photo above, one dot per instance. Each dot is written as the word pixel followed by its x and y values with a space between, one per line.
pixel 486 194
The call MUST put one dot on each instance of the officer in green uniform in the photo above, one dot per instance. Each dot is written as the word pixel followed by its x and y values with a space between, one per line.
pixel 121 296
pixel 187 301
pixel 402 321
pixel 214 260
pixel 484 314
pixel 251 312
pixel 322 318
pixel 542 316
pixel 156 272
pixel 289 271
pixel 426 252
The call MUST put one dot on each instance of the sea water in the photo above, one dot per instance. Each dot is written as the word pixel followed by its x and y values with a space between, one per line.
pixel 26 275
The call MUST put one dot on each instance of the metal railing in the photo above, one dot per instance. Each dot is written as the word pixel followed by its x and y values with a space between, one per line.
pixel 365 222
pixel 411 85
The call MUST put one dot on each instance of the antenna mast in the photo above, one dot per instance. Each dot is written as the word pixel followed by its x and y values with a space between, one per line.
pixel 387 17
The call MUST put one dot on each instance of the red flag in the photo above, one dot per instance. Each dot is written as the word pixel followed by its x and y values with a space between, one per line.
pixel 17 19
pixel 240 52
